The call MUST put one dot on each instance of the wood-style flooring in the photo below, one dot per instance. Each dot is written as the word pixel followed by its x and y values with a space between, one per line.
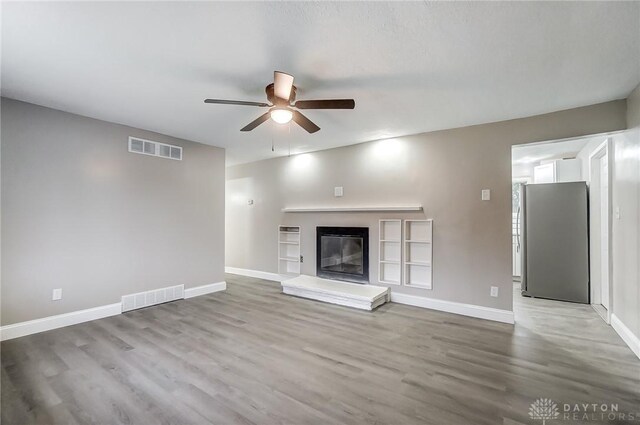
pixel 252 355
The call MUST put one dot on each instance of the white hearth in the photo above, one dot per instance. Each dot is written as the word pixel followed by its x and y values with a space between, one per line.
pixel 365 297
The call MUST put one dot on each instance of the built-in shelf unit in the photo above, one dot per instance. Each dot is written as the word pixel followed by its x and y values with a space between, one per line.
pixel 389 252
pixel 289 250
pixel 418 253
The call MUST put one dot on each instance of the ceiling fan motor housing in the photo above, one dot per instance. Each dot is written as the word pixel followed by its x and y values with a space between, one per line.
pixel 271 97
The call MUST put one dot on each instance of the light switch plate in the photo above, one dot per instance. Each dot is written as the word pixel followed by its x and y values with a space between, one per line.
pixel 338 191
pixel 486 194
pixel 494 291
pixel 57 294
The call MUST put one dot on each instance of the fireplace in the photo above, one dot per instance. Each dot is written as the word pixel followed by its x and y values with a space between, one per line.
pixel 342 253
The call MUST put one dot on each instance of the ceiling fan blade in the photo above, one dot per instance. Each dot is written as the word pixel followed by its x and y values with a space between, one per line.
pixel 326 104
pixel 282 83
pixel 253 124
pixel 305 122
pixel 235 102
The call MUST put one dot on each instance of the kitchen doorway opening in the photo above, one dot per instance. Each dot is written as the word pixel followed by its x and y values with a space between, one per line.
pixel 561 222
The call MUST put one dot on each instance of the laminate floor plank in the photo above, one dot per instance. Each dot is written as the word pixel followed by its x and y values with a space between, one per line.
pixel 254 356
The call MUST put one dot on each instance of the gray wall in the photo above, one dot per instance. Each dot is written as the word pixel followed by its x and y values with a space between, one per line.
pixel 443 171
pixel 626 230
pixel 81 213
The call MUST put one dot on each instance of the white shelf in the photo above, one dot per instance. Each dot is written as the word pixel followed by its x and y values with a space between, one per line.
pixel 353 209
pixel 389 253
pixel 289 250
pixel 418 254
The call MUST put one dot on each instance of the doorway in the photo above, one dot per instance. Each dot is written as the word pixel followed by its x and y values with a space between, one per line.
pixel 550 236
pixel 600 228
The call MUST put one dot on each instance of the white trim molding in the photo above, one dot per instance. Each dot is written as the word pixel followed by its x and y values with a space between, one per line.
pixel 625 333
pixel 488 313
pixel 205 289
pixel 257 274
pixel 480 312
pixel 17 330
pixel 604 311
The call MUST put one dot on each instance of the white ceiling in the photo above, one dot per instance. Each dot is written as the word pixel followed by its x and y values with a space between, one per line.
pixel 536 152
pixel 411 67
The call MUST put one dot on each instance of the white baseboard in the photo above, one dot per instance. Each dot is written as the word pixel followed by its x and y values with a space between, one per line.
pixel 59 321
pixel 205 289
pixel 17 330
pixel 625 333
pixel 480 312
pixel 256 273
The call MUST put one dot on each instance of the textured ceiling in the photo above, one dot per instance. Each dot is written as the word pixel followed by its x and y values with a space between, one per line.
pixel 411 67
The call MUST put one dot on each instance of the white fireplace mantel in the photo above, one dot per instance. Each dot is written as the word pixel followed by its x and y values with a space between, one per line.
pixel 353 209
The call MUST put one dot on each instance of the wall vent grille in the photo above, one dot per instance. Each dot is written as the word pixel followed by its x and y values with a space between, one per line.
pixel 148 147
pixel 153 297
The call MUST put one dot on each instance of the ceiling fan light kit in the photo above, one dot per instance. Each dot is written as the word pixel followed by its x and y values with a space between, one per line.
pixel 281 115
pixel 282 95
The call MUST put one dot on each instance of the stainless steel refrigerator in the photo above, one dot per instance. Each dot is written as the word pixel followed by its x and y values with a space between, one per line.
pixel 554 241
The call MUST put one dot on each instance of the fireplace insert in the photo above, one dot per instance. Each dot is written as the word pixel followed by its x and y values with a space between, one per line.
pixel 342 253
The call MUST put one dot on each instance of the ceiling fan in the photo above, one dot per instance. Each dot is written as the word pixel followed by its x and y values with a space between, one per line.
pixel 282 97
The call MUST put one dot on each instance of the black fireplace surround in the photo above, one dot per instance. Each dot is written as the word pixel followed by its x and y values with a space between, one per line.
pixel 342 253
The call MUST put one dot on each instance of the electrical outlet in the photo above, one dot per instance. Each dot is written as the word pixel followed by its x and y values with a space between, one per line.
pixel 301 259
pixel 617 213
pixel 250 202
pixel 486 194
pixel 338 191
pixel 494 291
pixel 57 294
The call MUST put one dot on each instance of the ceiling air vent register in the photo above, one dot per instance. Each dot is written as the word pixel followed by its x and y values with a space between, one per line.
pixel 148 147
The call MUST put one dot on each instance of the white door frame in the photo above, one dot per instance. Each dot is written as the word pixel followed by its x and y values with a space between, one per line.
pixel 605 147
pixel 514 180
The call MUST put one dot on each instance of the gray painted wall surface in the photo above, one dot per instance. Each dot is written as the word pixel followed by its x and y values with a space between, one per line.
pixel 443 171
pixel 626 230
pixel 81 213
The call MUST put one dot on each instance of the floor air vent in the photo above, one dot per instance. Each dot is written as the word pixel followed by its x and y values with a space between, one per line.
pixel 153 297
pixel 147 147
